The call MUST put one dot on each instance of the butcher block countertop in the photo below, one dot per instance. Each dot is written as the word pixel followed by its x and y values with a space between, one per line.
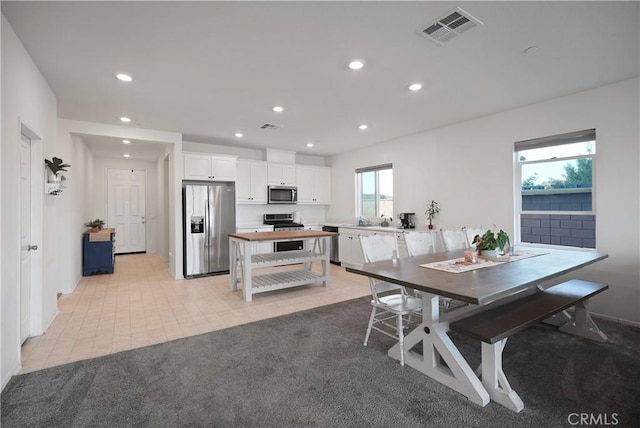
pixel 281 235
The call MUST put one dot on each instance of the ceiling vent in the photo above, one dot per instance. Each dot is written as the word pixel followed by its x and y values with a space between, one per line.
pixel 271 127
pixel 449 26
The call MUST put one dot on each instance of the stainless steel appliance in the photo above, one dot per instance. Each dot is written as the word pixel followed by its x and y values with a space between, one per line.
pixel 284 222
pixel 282 194
pixel 407 220
pixel 334 255
pixel 209 215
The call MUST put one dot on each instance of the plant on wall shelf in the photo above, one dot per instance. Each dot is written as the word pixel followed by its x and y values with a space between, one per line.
pixel 95 225
pixel 56 165
pixel 432 210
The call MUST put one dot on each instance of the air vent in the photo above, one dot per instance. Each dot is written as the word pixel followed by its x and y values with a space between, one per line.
pixel 449 26
pixel 271 127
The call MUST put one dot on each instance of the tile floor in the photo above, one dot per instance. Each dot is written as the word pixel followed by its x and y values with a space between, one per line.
pixel 141 304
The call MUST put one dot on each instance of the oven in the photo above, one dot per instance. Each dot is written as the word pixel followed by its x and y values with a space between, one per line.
pixel 283 222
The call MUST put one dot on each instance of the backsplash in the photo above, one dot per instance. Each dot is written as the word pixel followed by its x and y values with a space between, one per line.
pixel 252 214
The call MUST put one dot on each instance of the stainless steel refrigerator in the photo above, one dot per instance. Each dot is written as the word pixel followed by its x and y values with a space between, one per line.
pixel 209 213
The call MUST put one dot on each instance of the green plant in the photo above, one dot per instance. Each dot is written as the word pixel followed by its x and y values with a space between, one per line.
pixel 491 241
pixel 56 165
pixel 95 224
pixel 432 210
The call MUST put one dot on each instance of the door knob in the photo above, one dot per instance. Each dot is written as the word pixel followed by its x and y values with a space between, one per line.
pixel 32 247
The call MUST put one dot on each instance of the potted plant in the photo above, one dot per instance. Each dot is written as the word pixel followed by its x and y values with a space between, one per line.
pixel 55 166
pixel 432 210
pixel 95 225
pixel 492 244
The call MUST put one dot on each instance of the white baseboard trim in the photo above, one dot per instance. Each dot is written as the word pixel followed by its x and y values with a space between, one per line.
pixel 13 372
pixel 610 318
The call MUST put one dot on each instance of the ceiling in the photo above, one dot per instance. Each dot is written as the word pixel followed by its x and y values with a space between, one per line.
pixel 211 69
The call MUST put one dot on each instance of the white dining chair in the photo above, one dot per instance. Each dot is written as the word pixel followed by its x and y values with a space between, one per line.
pixel 389 301
pixel 472 232
pixel 453 239
pixel 419 243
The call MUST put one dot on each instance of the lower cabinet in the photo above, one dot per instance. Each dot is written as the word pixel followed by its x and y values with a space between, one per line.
pixel 98 255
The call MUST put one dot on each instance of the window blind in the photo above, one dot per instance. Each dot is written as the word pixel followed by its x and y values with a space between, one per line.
pixel 556 140
pixel 374 168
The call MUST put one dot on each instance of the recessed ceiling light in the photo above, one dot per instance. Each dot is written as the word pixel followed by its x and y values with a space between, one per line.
pixel 309 144
pixel 415 87
pixel 125 119
pixel 278 109
pixel 124 77
pixel 356 64
pixel 126 155
pixel 239 134
pixel 126 142
pixel 363 127
pixel 530 50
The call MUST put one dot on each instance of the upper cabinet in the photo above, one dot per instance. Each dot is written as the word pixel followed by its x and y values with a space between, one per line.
pixel 314 185
pixel 281 174
pixel 200 166
pixel 251 185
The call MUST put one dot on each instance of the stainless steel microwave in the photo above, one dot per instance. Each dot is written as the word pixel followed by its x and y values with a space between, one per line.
pixel 282 194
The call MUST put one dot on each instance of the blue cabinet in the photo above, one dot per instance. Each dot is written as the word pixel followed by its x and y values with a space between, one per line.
pixel 98 252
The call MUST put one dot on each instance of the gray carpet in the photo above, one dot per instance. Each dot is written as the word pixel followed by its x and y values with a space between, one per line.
pixel 310 369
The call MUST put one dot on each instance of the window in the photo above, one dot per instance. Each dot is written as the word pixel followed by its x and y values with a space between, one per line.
pixel 555 178
pixel 374 191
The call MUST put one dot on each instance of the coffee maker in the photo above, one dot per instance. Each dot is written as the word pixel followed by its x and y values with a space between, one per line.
pixel 407 220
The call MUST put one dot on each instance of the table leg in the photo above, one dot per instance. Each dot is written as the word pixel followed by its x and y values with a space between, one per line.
pixel 324 245
pixel 246 271
pixel 438 347
pixel 233 265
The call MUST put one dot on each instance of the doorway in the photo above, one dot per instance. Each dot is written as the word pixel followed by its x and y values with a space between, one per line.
pixel 31 173
pixel 126 196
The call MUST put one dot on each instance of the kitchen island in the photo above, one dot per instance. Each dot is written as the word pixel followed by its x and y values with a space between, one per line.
pixel 243 262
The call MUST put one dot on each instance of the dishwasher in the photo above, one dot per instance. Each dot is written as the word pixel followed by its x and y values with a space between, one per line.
pixel 334 257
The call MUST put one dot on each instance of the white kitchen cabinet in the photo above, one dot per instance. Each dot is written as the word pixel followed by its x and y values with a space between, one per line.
pixel 251 183
pixel 312 227
pixel 314 185
pixel 281 174
pixel 202 166
pixel 258 247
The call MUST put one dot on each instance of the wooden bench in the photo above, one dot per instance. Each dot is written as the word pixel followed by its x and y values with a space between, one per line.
pixel 494 326
pixel 503 321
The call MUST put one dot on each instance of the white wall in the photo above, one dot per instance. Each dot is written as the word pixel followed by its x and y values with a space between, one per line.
pixel 99 207
pixel 468 168
pixel 26 98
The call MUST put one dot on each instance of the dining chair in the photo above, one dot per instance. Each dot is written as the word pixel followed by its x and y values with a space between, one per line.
pixel 389 301
pixel 419 243
pixel 471 232
pixel 453 239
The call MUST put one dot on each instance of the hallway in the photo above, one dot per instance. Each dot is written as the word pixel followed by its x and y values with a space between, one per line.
pixel 141 304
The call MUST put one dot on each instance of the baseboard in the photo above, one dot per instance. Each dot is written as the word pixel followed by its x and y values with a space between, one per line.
pixel 15 371
pixel 619 320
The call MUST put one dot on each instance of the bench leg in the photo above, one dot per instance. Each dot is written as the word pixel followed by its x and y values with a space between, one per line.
pixel 494 379
pixel 558 319
pixel 581 324
pixel 436 348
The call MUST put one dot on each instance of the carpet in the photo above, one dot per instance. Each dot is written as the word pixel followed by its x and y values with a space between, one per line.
pixel 309 369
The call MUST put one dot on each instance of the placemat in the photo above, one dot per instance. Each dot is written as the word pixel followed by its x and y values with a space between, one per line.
pixel 460 266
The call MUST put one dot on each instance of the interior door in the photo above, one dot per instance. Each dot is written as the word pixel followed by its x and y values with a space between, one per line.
pixel 25 237
pixel 126 195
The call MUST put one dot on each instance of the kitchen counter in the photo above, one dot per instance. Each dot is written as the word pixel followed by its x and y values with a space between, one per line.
pixel 390 229
pixel 281 235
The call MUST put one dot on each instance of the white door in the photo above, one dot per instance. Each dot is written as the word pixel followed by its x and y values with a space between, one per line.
pixel 25 237
pixel 126 195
